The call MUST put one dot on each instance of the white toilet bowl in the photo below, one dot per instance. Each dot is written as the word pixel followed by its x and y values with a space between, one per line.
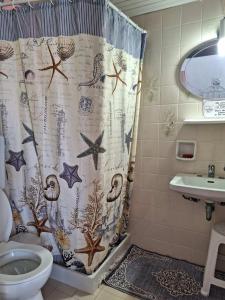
pixel 24 268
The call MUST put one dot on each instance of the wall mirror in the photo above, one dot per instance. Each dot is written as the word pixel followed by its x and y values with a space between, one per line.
pixel 202 71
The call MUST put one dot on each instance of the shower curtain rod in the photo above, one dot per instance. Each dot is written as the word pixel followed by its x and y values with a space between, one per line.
pixel 17 2
pixel 126 17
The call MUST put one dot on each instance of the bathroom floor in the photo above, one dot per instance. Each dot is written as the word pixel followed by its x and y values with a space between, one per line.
pixel 54 290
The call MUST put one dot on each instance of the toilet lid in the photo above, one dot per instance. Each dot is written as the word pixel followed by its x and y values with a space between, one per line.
pixel 6 220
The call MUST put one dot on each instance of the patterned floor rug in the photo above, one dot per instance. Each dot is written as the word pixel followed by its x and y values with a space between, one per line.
pixel 148 275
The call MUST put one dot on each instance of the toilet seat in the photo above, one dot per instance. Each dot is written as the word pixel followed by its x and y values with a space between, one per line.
pixel 17 251
pixel 6 220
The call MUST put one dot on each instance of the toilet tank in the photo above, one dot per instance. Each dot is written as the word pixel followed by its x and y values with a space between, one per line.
pixel 6 220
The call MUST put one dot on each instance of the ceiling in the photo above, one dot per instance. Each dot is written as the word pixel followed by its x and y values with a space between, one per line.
pixel 138 7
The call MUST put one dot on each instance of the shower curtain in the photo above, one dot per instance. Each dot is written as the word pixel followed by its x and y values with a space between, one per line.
pixel 70 78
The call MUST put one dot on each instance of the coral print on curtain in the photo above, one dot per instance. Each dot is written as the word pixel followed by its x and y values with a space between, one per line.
pixel 69 86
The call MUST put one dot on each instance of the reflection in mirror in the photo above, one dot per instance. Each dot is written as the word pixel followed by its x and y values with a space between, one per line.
pixel 202 72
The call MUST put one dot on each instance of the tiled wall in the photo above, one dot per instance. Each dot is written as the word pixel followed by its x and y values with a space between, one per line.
pixel 161 220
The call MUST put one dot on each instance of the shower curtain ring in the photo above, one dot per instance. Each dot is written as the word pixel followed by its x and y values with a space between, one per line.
pixel 51 1
pixel 28 2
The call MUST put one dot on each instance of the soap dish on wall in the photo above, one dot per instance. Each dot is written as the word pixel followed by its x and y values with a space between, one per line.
pixel 186 150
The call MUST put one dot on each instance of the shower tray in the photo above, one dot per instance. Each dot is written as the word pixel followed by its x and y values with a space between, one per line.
pixel 90 283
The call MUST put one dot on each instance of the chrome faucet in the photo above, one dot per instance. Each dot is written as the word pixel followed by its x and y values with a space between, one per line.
pixel 211 171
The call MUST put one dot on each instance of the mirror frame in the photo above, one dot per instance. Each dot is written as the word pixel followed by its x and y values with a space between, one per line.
pixel 191 53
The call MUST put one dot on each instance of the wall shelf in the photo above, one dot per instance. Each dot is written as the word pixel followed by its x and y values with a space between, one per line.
pixel 186 150
pixel 204 121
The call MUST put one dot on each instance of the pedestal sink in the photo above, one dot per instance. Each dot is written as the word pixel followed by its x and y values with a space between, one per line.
pixel 210 190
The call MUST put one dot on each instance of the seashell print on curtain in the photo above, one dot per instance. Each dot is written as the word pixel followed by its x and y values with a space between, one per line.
pixel 69 84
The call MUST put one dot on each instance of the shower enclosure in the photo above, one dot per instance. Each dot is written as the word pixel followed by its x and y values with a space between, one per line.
pixel 70 81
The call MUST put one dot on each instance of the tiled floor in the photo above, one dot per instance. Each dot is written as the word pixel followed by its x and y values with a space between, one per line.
pixel 55 290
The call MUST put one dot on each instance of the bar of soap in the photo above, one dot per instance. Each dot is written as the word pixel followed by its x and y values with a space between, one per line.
pixel 187 155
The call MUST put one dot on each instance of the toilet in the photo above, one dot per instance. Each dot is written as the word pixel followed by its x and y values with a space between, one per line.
pixel 24 266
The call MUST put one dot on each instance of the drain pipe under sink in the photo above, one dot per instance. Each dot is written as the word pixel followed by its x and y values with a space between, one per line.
pixel 209 208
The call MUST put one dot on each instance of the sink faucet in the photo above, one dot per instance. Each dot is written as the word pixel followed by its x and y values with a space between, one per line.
pixel 211 171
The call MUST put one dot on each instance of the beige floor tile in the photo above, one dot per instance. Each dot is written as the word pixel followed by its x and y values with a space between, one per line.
pixel 58 295
pixel 108 290
pixel 48 289
pixel 84 296
pixel 54 290
pixel 105 295
pixel 114 296
pixel 66 289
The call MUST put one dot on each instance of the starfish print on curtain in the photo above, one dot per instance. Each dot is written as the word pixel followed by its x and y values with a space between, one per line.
pixel 54 67
pixel 39 225
pixel 117 77
pixel 94 148
pixel 16 159
pixel 6 51
pixel 70 175
pixel 92 247
pixel 128 139
pixel 30 138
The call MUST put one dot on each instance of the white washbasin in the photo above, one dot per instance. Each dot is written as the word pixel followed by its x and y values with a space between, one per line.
pixel 203 187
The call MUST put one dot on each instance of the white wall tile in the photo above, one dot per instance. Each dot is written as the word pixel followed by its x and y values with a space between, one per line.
pixel 151 72
pixel 167 135
pixel 212 9
pixel 159 198
pixel 191 12
pixel 165 166
pixel 150 114
pixel 166 149
pixel 187 111
pixel 171 36
pixel 191 34
pixel 169 94
pixel 171 17
pixel 185 49
pixel 149 165
pixel 149 148
pixel 151 94
pixel 153 22
pixel 220 171
pixel 185 97
pixel 219 152
pixel 186 132
pixel 206 151
pixel 150 131
pixel 170 56
pixel 209 133
pixel 168 113
pixel 154 39
pixel 209 29
pixel 169 75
